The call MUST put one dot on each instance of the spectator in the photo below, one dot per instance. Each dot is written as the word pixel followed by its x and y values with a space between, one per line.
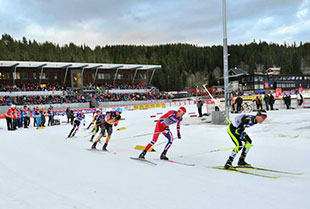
pixel 300 99
pixel 199 106
pixel 50 113
pixel 259 104
pixel 239 102
pixel 266 100
pixel 271 100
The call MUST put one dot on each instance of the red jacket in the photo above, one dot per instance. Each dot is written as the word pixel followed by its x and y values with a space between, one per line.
pixel 9 113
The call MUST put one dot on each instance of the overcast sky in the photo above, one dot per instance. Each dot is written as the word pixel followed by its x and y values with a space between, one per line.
pixel 149 22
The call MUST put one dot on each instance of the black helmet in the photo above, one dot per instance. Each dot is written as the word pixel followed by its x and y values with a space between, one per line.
pixel 261 113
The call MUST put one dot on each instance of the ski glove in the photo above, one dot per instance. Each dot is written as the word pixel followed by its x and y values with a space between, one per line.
pixel 179 135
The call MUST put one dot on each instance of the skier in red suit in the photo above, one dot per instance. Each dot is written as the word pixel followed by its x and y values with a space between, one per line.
pixel 162 126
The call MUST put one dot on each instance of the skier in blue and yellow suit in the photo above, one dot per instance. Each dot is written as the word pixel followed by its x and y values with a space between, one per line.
pixel 236 131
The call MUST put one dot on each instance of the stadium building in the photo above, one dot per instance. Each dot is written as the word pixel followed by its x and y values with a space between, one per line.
pixel 74 75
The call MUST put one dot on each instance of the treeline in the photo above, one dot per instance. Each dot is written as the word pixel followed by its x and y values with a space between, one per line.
pixel 183 65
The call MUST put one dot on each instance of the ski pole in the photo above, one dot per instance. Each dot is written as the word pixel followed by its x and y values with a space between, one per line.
pixel 217 150
pixel 210 151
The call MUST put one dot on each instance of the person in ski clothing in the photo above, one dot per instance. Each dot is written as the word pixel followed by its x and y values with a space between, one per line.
pixel 77 121
pixel 42 113
pixel 266 100
pixel 68 114
pixel 259 104
pixel 9 117
pixel 95 115
pixel 236 131
pixel 18 117
pixel 239 102
pixel 99 123
pixel 199 106
pixel 37 116
pixel 271 101
pixel 50 113
pixel 287 101
pixel 112 118
pixel 26 117
pixel 233 104
pixel 162 126
pixel 300 99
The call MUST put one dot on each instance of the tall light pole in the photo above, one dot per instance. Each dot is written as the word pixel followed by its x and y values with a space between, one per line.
pixel 225 61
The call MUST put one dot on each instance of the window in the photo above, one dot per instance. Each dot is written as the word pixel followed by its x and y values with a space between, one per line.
pixel 34 75
pixel 55 76
pixel 261 78
pixel 44 76
pixel 120 76
pixel 24 76
pixel 141 76
pixel 4 76
pixel 102 76
pixel 256 79
pixel 128 76
pixel 17 75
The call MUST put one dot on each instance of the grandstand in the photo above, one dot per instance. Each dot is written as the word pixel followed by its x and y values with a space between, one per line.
pixel 74 75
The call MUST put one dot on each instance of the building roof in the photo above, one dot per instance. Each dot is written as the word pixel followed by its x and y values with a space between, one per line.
pixel 237 71
pixel 274 69
pixel 63 65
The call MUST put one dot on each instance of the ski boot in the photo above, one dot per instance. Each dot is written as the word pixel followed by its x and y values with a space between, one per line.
pixel 94 145
pixel 92 137
pixel 163 155
pixel 228 164
pixel 142 154
pixel 104 148
pixel 242 163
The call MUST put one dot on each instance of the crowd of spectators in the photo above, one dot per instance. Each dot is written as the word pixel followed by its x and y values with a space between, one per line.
pixel 32 87
pixel 100 94
pixel 39 100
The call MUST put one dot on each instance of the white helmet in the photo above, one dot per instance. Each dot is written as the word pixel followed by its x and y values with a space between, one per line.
pixel 83 111
pixel 13 106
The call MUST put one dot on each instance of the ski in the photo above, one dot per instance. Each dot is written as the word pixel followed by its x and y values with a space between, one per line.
pixel 181 163
pixel 97 150
pixel 143 160
pixel 269 170
pixel 177 162
pixel 71 137
pixel 244 172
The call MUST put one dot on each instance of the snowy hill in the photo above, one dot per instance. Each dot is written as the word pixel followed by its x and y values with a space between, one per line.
pixel 40 169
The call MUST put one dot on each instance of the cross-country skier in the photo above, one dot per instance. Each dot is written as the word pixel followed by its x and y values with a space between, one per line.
pixel 79 118
pixel 112 118
pixel 99 123
pixel 236 131
pixel 95 115
pixel 162 126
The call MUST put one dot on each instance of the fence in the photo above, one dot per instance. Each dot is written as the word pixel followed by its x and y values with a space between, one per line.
pixel 4 109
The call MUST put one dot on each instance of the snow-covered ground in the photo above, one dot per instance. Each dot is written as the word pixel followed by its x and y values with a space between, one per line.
pixel 40 169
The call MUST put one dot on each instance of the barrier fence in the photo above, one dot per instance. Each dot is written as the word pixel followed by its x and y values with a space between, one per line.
pixel 143 105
